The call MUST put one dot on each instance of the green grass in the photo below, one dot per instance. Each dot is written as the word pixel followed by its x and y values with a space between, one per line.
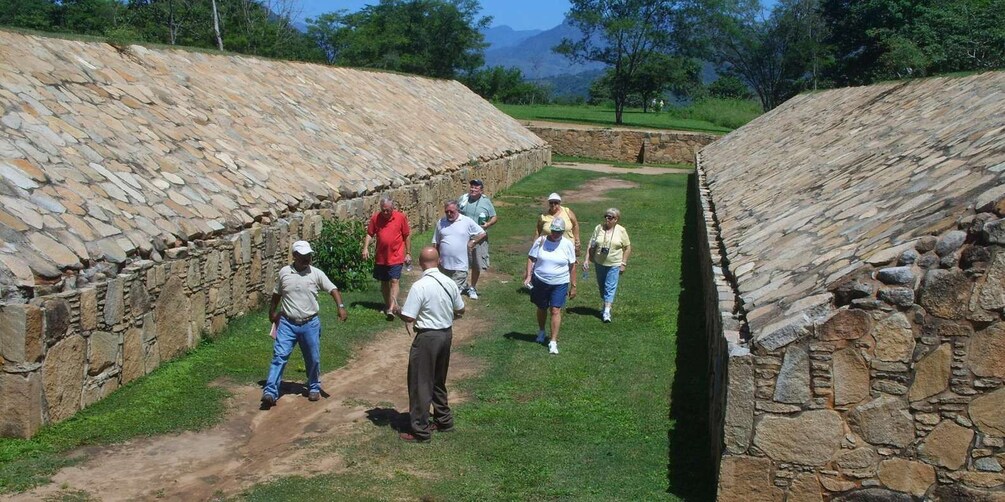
pixel 594 423
pixel 619 415
pixel 615 163
pixel 714 115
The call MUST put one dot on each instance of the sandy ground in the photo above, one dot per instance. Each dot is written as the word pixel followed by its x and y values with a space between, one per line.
pixel 252 445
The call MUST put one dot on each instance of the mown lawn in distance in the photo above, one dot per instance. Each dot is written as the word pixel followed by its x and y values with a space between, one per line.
pixel 717 116
pixel 178 395
pixel 595 422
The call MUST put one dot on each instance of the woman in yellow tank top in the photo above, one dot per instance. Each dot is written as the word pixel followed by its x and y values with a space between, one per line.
pixel 557 210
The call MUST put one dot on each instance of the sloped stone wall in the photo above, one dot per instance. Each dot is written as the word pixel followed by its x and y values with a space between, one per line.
pixel 855 262
pixel 147 197
pixel 624 145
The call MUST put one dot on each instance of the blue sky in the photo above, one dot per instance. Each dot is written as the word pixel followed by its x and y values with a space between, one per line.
pixel 517 14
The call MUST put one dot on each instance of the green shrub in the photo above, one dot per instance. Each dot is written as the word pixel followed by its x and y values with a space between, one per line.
pixel 337 253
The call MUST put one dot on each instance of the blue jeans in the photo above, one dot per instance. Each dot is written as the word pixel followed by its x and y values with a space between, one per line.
pixel 607 281
pixel 288 335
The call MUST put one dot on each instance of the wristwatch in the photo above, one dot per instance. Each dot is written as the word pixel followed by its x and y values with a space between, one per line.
pixel 341 305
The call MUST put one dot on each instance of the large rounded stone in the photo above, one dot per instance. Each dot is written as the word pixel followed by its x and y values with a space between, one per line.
pixel 847 324
pixel 986 356
pixel 63 376
pixel 947 445
pixel 960 493
pixel 883 421
pixel 945 293
pixel 932 373
pixel 906 476
pixel 986 413
pixel 104 351
pixel 851 376
pixel 857 459
pixel 894 338
pixel 811 438
pixel 873 495
pixel 747 479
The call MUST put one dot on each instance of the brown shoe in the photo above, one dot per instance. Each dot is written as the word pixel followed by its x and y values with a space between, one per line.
pixel 405 436
pixel 438 428
pixel 314 396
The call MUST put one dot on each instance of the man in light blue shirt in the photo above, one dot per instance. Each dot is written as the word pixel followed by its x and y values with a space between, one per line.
pixel 477 206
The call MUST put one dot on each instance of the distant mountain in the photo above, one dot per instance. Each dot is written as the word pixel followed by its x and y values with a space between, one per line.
pixel 534 57
pixel 504 36
pixel 566 85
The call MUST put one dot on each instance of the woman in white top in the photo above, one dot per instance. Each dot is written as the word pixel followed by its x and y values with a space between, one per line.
pixel 551 266
pixel 609 249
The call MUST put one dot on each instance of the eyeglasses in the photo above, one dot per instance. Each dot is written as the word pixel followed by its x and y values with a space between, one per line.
pixel 609 216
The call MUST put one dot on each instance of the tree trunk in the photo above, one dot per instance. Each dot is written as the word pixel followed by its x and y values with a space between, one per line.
pixel 619 109
pixel 216 27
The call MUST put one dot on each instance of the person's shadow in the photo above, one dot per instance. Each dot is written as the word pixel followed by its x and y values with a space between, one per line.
pixel 288 388
pixel 584 311
pixel 389 417
pixel 521 337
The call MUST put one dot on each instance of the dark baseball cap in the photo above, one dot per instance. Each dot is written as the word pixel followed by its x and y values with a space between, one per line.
pixel 477 182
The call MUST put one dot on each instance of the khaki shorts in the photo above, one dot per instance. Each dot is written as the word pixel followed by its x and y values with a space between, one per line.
pixel 460 278
pixel 479 255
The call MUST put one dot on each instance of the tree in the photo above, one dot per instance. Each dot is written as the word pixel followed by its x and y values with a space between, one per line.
pixel 624 35
pixel 506 85
pixel 729 87
pixel 31 14
pixel 437 38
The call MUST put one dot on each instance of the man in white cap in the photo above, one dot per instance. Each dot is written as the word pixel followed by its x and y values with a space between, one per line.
pixel 294 308
pixel 454 236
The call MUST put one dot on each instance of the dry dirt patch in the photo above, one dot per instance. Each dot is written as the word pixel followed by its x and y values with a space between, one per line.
pixel 252 446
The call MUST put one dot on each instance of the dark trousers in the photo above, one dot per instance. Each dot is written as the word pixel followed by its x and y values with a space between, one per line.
pixel 428 361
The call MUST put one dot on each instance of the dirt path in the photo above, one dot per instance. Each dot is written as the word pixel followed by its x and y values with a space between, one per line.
pixel 252 446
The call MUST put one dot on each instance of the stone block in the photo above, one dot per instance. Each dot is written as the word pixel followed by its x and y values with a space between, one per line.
pixel 960 493
pixel 63 376
pixel 945 293
pixel 986 413
pixel 21 333
pixel 88 309
pixel 947 445
pixel 793 383
pixel 932 373
pixel 57 319
pixel 172 318
pixel 894 338
pixel 139 298
pixel 747 479
pixel 132 355
pixel 739 414
pixel 906 476
pixel 986 353
pixel 114 303
pixel 805 488
pixel 20 404
pixel 810 438
pixel 198 304
pixel 883 421
pixel 989 292
pixel 851 376
pixel 857 459
pixel 103 352
pixel 98 388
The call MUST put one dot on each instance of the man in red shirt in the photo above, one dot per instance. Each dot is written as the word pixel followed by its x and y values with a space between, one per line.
pixel 394 240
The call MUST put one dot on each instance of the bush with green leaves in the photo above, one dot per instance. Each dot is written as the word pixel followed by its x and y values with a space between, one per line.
pixel 338 253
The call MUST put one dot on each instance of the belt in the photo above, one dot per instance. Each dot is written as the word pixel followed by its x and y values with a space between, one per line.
pixel 419 331
pixel 300 322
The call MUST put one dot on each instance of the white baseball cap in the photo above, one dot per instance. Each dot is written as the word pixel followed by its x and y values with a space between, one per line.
pixel 558 225
pixel 555 196
pixel 302 248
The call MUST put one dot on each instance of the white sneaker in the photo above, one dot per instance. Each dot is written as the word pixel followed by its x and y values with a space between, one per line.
pixel 607 316
pixel 541 337
pixel 553 347
pixel 472 294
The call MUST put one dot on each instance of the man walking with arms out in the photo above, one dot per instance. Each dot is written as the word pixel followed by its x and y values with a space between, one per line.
pixel 455 236
pixel 294 309
pixel 433 302
pixel 477 206
pixel 394 242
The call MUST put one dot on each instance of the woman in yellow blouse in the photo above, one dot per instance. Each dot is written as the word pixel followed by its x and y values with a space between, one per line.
pixel 609 249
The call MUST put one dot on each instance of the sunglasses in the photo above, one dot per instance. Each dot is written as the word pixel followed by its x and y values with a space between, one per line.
pixel 554 202
pixel 609 216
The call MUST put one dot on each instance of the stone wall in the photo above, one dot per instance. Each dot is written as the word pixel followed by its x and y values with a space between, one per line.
pixel 63 352
pixel 855 271
pixel 149 196
pixel 624 145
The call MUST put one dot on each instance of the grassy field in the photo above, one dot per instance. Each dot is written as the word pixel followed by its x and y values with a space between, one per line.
pixel 618 415
pixel 615 163
pixel 713 115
